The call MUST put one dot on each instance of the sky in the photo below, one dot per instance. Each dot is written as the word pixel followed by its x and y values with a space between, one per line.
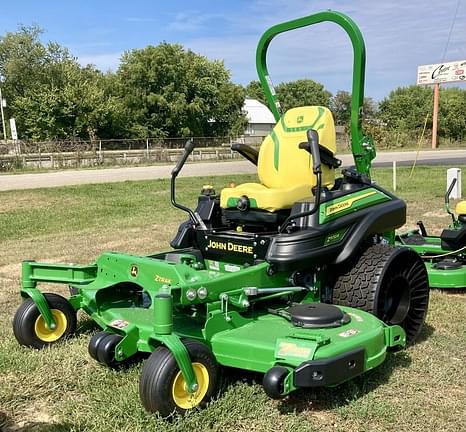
pixel 399 34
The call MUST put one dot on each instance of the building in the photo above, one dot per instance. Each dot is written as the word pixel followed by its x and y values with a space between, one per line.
pixel 260 119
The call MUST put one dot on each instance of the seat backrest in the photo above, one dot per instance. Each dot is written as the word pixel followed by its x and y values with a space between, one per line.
pixel 282 163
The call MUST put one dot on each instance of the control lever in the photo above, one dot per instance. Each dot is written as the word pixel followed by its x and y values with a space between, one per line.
pixel 312 147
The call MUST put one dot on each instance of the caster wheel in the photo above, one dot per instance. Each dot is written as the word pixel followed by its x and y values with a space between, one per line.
pixel 273 382
pixel 29 326
pixel 94 343
pixel 162 387
pixel 105 348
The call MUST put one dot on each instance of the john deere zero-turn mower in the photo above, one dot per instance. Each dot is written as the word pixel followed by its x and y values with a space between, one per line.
pixel 294 276
pixel 444 255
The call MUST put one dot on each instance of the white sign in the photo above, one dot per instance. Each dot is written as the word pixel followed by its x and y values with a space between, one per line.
pixel 442 73
pixel 14 133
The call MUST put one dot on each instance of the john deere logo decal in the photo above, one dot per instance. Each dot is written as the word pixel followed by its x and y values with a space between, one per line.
pixel 300 119
pixel 134 270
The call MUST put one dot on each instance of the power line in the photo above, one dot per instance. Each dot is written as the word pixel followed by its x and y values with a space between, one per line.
pixel 451 30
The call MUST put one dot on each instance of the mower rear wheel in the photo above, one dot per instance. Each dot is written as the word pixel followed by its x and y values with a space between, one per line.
pixel 162 387
pixel 29 326
pixel 389 282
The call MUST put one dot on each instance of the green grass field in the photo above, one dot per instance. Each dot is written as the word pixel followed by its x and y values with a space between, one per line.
pixel 62 388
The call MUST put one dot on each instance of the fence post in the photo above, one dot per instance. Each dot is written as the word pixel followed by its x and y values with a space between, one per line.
pixel 100 150
pixel 147 148
pixel 453 173
pixel 394 176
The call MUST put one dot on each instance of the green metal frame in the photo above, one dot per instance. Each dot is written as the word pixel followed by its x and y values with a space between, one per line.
pixel 361 145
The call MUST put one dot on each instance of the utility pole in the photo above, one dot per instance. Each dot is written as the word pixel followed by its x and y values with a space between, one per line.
pixel 3 116
pixel 435 116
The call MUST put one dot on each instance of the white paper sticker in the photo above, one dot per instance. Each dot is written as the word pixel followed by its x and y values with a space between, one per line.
pixel 232 268
pixel 214 265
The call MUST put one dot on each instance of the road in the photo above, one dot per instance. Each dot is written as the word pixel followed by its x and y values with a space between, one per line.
pixel 108 175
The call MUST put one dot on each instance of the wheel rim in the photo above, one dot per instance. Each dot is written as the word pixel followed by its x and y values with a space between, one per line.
pixel 51 335
pixel 397 300
pixel 185 399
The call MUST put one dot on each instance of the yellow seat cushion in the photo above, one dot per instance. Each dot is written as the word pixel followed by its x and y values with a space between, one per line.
pixel 285 170
pixel 264 198
pixel 461 208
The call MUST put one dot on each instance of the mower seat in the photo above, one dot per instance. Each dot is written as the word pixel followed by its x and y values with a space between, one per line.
pixel 461 211
pixel 285 171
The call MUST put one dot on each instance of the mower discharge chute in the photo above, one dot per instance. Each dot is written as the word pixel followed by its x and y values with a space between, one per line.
pixel 295 277
pixel 444 255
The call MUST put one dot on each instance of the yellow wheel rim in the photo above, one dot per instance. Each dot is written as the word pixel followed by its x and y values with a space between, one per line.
pixel 48 335
pixel 182 397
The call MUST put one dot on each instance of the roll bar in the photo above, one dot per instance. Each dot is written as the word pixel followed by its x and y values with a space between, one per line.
pixel 362 146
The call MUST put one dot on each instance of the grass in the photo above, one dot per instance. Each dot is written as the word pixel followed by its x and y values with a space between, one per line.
pixel 62 388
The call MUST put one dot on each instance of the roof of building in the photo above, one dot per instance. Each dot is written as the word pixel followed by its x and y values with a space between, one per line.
pixel 257 112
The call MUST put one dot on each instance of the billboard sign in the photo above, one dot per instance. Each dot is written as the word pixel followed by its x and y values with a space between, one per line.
pixel 450 72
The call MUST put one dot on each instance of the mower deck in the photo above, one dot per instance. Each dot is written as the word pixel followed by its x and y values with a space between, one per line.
pixel 445 270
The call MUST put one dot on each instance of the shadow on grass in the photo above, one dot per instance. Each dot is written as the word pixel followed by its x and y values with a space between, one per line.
pixel 86 326
pixel 7 424
pixel 451 291
pixel 426 332
pixel 328 398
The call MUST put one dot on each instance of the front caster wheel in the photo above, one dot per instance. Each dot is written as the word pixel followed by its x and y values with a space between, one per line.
pixel 162 387
pixel 30 328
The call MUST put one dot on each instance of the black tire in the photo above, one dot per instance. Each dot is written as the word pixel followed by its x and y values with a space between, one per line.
pixel 94 343
pixel 389 282
pixel 106 350
pixel 29 327
pixel 161 373
pixel 273 382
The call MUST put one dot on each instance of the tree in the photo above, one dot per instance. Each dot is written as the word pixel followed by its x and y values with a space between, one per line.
pixel 340 105
pixel 50 94
pixel 170 91
pixel 254 91
pixel 452 117
pixel 292 94
pixel 406 108
pixel 301 93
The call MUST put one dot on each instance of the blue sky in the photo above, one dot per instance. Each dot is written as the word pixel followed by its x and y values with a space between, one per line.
pixel 399 34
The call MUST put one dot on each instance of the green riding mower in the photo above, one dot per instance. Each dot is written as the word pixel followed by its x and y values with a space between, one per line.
pixel 444 255
pixel 296 276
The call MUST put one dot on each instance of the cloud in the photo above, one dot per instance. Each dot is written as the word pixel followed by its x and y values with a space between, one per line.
pixel 192 21
pixel 399 36
pixel 104 62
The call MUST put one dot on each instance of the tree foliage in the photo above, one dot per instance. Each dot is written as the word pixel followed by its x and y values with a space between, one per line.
pixel 157 91
pixel 167 90
pixel 171 91
pixel 49 93
pixel 340 105
pixel 407 108
pixel 294 93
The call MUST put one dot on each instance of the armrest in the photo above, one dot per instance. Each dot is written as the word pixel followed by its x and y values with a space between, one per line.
pixel 327 158
pixel 250 153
